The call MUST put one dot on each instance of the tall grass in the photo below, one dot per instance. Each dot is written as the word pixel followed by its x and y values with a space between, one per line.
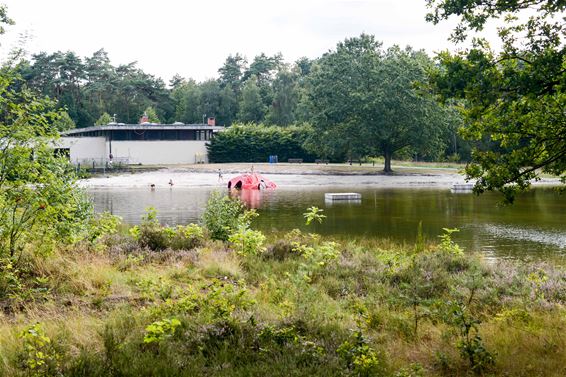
pixel 304 307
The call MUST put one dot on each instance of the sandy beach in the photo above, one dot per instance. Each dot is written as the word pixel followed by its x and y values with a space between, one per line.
pixel 286 175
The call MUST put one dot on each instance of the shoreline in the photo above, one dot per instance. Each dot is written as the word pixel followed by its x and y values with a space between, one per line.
pixel 287 176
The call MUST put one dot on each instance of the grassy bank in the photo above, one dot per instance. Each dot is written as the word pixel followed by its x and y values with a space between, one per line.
pixel 157 301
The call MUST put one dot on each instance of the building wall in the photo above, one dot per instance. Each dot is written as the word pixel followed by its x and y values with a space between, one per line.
pixel 160 152
pixel 84 149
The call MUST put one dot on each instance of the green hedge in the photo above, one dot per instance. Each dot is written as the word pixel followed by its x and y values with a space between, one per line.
pixel 255 143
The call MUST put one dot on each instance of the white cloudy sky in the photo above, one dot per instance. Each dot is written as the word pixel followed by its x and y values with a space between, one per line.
pixel 193 38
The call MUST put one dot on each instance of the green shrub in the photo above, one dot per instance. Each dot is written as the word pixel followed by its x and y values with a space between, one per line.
pixel 255 143
pixel 447 244
pixel 151 234
pixel 10 282
pixel 315 258
pixel 470 344
pixel 247 241
pixel 187 237
pixel 223 215
pixel 360 358
pixel 39 355
pixel 101 226
pixel 160 330
pixel 314 214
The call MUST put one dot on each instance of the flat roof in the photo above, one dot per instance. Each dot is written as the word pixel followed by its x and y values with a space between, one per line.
pixel 138 127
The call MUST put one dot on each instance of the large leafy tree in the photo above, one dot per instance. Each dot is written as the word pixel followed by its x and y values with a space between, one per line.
pixel 252 109
pixel 228 107
pixel 513 100
pixel 209 99
pixel 285 98
pixel 40 203
pixel 60 76
pixel 365 102
pixel 232 72
pixel 186 98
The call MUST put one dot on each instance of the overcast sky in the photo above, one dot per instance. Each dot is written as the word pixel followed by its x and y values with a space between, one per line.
pixel 193 38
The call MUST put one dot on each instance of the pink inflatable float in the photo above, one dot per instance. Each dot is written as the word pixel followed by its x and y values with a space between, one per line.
pixel 251 181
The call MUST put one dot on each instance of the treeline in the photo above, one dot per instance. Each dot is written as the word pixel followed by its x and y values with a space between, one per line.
pixel 267 90
pixel 362 101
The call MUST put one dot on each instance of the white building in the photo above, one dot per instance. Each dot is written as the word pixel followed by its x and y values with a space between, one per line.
pixel 146 143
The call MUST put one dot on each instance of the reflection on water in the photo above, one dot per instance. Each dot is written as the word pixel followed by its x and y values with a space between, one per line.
pixel 555 238
pixel 252 198
pixel 533 227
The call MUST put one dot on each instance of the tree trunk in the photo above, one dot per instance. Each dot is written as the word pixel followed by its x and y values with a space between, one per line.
pixel 387 167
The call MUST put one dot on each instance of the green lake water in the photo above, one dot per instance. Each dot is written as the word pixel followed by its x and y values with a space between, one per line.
pixel 533 228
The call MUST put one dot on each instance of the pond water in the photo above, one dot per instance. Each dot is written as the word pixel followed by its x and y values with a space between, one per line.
pixel 533 228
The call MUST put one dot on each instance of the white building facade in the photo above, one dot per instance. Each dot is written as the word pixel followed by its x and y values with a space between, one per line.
pixel 146 144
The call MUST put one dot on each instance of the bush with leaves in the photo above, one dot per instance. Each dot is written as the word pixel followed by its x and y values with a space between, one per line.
pixel 187 237
pixel 224 215
pixel 470 343
pixel 315 258
pixel 255 143
pixel 104 224
pixel 447 244
pixel 160 330
pixel 314 214
pixel 151 234
pixel 247 241
pixel 360 358
pixel 40 202
pixel 40 358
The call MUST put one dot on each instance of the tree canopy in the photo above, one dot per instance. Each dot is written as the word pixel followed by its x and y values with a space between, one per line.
pixel 39 200
pixel 365 102
pixel 513 100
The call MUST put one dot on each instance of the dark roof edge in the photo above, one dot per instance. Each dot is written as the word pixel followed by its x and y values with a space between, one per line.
pixel 153 126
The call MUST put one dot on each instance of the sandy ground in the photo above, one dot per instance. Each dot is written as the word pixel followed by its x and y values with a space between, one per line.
pixel 286 175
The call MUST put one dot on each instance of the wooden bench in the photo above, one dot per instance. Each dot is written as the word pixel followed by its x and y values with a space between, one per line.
pixel 321 161
pixel 295 160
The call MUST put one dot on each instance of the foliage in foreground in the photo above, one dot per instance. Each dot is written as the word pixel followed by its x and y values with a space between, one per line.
pixel 40 204
pixel 513 99
pixel 136 305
